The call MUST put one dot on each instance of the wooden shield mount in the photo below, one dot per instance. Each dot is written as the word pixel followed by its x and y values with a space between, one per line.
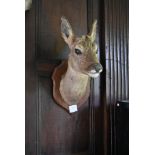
pixel 57 75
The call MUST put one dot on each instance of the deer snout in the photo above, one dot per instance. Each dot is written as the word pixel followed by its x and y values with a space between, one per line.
pixel 95 68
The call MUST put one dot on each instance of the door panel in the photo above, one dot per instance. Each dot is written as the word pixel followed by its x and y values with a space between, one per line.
pixel 61 132
pixel 49 41
pixel 50 130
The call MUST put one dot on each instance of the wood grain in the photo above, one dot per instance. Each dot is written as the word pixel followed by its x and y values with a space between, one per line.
pixel 115 44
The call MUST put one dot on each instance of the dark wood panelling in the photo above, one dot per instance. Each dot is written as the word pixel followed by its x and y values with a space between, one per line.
pixel 49 129
pixel 60 132
pixel 49 41
pixel 30 85
pixel 116 49
pixel 94 101
pixel 54 131
pixel 115 82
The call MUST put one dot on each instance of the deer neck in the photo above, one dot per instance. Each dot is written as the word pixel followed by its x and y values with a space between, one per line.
pixel 73 85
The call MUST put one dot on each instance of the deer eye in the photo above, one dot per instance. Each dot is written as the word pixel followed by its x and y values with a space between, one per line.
pixel 77 51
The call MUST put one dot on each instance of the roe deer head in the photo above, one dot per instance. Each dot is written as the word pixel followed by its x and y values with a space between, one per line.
pixel 82 64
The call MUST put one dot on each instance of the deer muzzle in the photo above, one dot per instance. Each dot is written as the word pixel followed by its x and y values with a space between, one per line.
pixel 94 70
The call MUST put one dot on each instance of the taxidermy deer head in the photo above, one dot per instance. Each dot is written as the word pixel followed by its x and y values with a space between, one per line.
pixel 72 78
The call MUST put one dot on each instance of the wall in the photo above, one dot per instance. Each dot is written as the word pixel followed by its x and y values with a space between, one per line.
pixel 115 82
pixel 42 41
pixel 49 128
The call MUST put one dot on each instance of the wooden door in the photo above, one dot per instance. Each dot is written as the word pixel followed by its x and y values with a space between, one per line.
pixel 50 130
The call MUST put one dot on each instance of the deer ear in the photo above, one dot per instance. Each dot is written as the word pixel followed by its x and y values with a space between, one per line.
pixel 66 30
pixel 92 33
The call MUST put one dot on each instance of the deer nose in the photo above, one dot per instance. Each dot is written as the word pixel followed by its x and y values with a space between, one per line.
pixel 96 68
